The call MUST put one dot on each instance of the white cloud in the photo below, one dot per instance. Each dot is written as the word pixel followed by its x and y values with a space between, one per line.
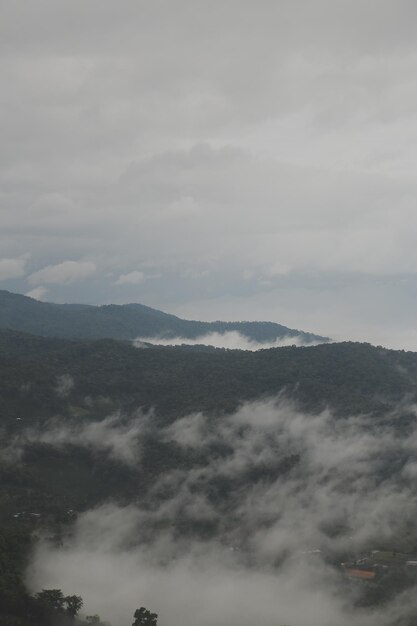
pixel 132 278
pixel 119 438
pixel 37 292
pixel 282 484
pixel 63 273
pixel 231 340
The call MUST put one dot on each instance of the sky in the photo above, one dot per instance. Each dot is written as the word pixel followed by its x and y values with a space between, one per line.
pixel 225 159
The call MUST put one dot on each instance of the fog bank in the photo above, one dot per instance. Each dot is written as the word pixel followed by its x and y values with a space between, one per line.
pixel 231 340
pixel 252 527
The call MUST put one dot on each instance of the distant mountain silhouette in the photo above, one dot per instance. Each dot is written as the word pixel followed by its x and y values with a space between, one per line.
pixel 128 321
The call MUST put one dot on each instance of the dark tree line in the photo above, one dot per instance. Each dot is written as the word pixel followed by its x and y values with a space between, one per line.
pixel 144 617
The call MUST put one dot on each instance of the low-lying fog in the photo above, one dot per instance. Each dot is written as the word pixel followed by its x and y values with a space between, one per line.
pixel 288 495
pixel 232 340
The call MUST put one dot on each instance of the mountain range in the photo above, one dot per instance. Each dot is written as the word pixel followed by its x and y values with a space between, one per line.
pixel 128 322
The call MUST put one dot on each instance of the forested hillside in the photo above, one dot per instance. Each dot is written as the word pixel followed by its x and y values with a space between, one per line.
pixel 87 422
pixel 129 321
pixel 78 382
pixel 350 377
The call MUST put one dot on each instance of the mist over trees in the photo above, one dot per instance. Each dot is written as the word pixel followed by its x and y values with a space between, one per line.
pixel 199 469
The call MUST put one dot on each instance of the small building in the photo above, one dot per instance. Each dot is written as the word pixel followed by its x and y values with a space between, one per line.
pixel 363 574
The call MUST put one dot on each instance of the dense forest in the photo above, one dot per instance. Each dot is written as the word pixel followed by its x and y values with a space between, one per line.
pixel 56 394
pixel 74 382
pixel 350 377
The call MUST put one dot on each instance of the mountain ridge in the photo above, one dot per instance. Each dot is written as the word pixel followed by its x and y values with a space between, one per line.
pixel 349 377
pixel 126 322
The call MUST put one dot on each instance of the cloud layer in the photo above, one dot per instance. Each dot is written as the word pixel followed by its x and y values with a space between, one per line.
pixel 235 535
pixel 228 150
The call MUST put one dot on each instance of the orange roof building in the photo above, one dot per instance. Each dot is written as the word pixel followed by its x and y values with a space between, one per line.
pixel 365 574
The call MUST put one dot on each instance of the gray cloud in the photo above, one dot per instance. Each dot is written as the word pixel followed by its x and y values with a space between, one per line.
pixel 131 278
pixel 12 268
pixel 178 138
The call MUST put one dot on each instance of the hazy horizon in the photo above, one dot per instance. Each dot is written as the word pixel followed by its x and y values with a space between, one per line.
pixel 396 339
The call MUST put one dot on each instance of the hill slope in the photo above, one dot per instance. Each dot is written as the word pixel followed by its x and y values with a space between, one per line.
pixel 79 382
pixel 85 422
pixel 350 377
pixel 129 321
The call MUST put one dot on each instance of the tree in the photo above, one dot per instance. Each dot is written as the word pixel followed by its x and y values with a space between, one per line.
pixel 143 617
pixel 73 604
pixel 95 620
pixel 52 597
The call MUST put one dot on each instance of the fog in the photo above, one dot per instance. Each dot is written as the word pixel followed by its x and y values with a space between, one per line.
pixel 231 340
pixel 117 439
pixel 250 529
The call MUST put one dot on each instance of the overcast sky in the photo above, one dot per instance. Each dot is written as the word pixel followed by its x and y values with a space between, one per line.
pixel 237 159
